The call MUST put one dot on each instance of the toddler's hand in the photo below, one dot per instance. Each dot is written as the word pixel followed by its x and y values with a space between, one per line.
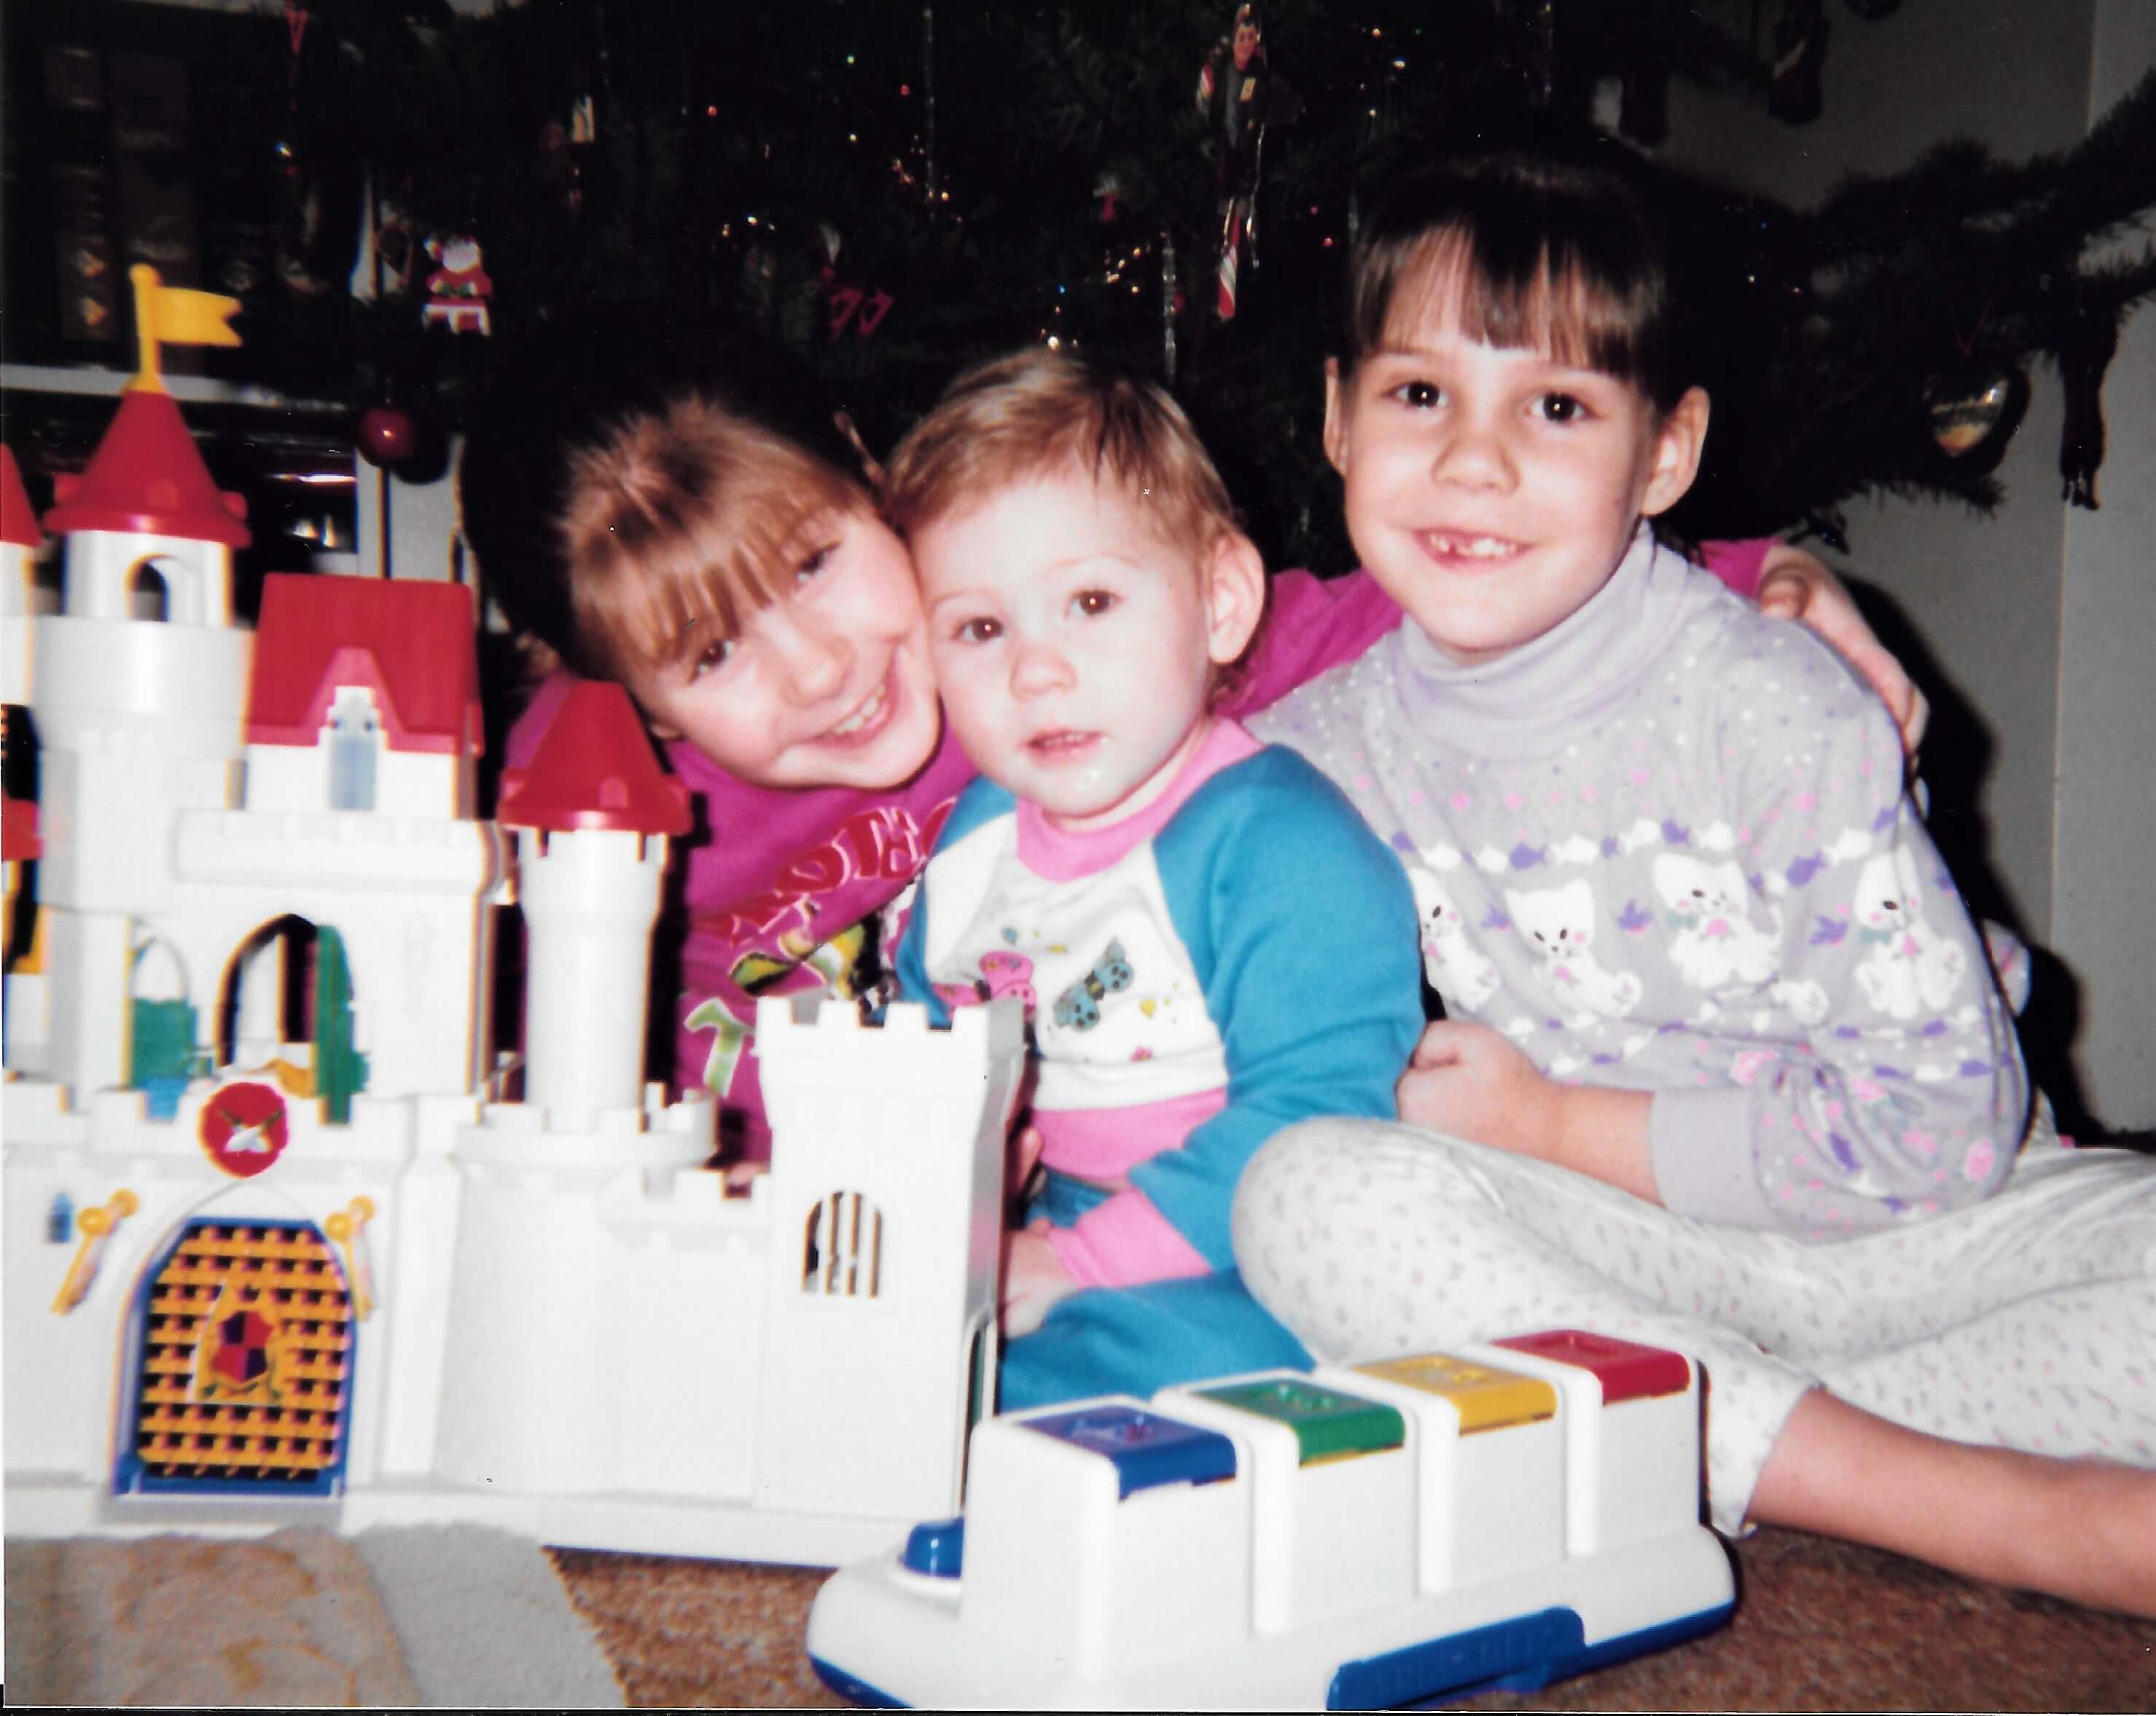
pixel 1033 1280
pixel 1796 586
pixel 1471 1082
pixel 1024 1158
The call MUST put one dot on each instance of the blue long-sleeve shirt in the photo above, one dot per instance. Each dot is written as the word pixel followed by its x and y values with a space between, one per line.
pixel 1238 957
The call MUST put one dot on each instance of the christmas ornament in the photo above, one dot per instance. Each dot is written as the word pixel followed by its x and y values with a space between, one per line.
pixel 387 436
pixel 865 310
pixel 1240 94
pixel 1973 417
pixel 458 290
pixel 864 307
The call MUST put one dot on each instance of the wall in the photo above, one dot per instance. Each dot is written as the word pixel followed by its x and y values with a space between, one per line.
pixel 2103 906
pixel 2035 626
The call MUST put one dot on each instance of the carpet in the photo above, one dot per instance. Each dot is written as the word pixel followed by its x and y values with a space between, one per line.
pixel 1820 1626
pixel 448 1616
pixel 456 1616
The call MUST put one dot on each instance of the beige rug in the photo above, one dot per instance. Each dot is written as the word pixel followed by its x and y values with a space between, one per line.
pixel 1820 1626
pixel 422 1615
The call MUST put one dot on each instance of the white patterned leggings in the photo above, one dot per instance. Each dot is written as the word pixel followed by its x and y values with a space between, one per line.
pixel 2027 1321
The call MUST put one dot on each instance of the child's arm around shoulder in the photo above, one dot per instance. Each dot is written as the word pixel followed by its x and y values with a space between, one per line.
pixel 1902 1092
pixel 1301 926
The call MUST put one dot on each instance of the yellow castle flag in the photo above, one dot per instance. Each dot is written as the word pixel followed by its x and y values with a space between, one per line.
pixel 175 315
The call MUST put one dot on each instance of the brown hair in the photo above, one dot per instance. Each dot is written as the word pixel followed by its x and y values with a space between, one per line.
pixel 649 484
pixel 677 527
pixel 1564 251
pixel 1038 414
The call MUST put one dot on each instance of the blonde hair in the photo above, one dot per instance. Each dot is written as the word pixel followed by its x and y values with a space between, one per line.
pixel 1038 413
pixel 679 525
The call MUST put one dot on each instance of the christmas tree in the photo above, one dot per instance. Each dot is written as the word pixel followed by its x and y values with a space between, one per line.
pixel 889 192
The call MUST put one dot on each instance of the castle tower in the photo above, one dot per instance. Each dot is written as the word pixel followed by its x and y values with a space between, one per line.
pixel 363 729
pixel 591 811
pixel 20 539
pixel 886 1194
pixel 137 719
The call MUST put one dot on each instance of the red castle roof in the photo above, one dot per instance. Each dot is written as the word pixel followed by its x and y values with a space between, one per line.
pixel 594 769
pixel 411 641
pixel 18 522
pixel 148 478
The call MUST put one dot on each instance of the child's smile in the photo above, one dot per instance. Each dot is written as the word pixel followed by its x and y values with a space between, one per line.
pixel 830 687
pixel 1492 490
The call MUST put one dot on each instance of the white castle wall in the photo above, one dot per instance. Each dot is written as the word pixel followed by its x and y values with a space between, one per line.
pixel 81 1362
pixel 914 1122
pixel 407 783
pixel 409 897
pixel 536 1377
pixel 17 581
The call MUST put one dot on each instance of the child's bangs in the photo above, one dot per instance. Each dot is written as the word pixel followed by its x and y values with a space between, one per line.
pixel 1510 288
pixel 715 532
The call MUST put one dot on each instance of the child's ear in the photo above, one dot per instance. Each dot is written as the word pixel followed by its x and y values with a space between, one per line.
pixel 1336 418
pixel 1235 596
pixel 1678 445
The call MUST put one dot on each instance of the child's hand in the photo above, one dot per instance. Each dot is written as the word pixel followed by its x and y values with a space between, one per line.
pixel 1794 586
pixel 1024 1158
pixel 1471 1082
pixel 1033 1280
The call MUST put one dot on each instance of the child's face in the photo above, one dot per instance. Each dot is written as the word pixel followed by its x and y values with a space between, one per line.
pixel 1492 490
pixel 830 688
pixel 1074 648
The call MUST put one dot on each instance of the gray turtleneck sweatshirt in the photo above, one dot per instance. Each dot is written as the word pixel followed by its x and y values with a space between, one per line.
pixel 1667 847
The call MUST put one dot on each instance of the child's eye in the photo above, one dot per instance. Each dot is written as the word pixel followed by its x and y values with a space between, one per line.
pixel 815 565
pixel 1092 604
pixel 1560 408
pixel 1419 395
pixel 715 656
pixel 977 631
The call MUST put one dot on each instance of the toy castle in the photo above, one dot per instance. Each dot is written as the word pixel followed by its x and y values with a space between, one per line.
pixel 277 1248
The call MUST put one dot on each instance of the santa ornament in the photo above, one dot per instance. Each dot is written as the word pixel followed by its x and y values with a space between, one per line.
pixel 457 289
